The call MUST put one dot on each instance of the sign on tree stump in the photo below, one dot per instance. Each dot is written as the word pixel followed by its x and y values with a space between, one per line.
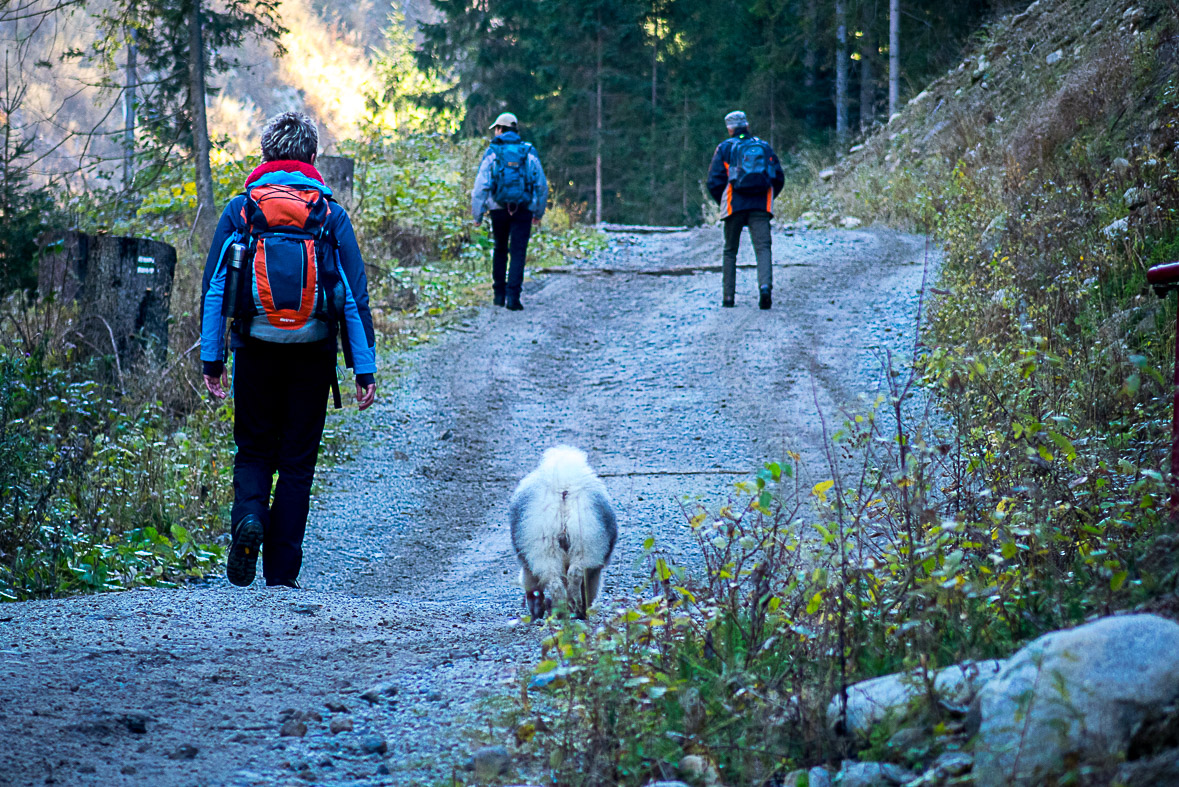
pixel 123 289
pixel 338 172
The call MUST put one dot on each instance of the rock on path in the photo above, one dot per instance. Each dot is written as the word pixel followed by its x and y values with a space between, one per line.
pixel 409 570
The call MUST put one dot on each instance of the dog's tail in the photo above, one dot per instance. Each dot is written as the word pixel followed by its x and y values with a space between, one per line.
pixel 565 471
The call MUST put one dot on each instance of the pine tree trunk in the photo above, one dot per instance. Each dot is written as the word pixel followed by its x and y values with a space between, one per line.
pixel 810 58
pixel 654 113
pixel 841 101
pixel 598 134
pixel 894 57
pixel 773 89
pixel 129 114
pixel 206 221
pixel 684 155
pixel 867 78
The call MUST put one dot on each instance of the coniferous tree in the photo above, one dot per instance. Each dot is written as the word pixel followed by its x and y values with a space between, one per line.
pixel 25 210
pixel 867 53
pixel 841 58
pixel 894 57
pixel 178 45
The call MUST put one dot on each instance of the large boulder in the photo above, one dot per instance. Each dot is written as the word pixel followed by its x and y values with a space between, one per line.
pixel 894 697
pixel 1074 697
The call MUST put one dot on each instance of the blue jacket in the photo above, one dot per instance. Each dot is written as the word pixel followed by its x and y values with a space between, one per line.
pixel 722 192
pixel 481 200
pixel 231 228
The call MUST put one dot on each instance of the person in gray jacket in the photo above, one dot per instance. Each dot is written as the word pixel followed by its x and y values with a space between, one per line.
pixel 511 186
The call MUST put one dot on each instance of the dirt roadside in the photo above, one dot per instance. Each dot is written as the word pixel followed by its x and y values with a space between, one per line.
pixel 409 573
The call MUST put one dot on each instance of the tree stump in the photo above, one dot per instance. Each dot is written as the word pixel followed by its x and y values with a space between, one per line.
pixel 123 289
pixel 338 172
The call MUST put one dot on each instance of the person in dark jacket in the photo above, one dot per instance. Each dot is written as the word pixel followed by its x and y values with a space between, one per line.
pixel 743 205
pixel 280 383
pixel 511 224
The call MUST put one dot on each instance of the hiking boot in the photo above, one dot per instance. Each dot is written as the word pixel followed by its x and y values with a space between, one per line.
pixel 285 584
pixel 513 303
pixel 765 301
pixel 727 302
pixel 243 551
pixel 498 299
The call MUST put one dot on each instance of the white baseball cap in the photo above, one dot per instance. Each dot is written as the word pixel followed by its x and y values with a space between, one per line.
pixel 505 119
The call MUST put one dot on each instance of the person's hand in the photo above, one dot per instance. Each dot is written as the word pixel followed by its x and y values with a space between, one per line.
pixel 365 395
pixel 218 385
pixel 535 221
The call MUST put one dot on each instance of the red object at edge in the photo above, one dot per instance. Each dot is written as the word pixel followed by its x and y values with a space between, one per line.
pixel 1162 275
pixel 1166 278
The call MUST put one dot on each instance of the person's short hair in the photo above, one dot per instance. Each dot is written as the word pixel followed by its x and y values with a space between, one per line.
pixel 291 136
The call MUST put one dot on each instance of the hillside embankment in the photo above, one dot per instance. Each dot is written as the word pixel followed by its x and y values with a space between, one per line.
pixel 1047 165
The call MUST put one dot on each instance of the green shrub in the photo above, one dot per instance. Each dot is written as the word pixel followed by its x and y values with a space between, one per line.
pixel 101 493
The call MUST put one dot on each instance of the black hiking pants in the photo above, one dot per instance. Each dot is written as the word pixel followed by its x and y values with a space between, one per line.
pixel 511 232
pixel 280 399
pixel 758 222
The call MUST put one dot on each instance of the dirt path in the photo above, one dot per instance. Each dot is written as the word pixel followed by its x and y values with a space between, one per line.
pixel 409 573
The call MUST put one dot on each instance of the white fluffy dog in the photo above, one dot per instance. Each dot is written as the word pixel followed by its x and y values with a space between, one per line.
pixel 563 529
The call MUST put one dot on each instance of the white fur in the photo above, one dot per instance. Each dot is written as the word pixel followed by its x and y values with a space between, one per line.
pixel 563 529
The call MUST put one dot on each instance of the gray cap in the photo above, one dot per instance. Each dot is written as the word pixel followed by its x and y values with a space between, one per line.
pixel 505 119
pixel 735 119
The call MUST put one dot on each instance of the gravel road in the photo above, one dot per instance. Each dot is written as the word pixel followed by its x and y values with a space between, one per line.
pixel 409 574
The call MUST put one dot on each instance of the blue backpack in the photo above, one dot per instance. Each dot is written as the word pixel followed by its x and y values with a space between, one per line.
pixel 510 186
pixel 750 166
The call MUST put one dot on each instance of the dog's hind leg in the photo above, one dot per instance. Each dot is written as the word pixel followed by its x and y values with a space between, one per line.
pixel 576 587
pixel 534 599
pixel 583 589
pixel 593 583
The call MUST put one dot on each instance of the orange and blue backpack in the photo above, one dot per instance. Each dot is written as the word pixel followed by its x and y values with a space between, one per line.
pixel 293 291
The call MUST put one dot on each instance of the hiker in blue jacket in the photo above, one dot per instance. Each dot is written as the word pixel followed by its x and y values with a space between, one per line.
pixel 511 186
pixel 744 178
pixel 302 285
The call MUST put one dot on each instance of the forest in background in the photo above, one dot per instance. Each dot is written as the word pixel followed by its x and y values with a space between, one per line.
pixel 625 98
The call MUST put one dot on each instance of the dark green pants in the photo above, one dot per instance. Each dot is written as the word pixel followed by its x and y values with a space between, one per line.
pixel 758 222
